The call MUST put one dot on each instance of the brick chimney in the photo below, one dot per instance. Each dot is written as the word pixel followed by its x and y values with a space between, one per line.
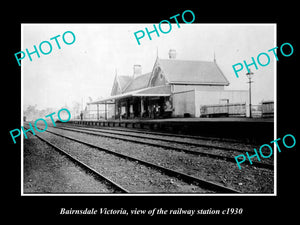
pixel 137 70
pixel 172 54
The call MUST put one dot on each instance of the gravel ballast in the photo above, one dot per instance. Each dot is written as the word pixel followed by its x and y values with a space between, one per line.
pixel 131 175
pixel 47 171
pixel 247 180
pixel 168 142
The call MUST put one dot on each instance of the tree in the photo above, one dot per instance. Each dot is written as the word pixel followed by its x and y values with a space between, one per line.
pixel 31 112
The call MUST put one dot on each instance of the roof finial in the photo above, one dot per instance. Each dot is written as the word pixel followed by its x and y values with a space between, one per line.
pixel 214 57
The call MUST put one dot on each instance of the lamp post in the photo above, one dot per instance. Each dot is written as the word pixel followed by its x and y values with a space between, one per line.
pixel 249 75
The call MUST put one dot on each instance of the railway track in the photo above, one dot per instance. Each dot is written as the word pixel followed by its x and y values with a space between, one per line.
pixel 157 137
pixel 191 180
pixel 161 133
pixel 143 140
pixel 87 168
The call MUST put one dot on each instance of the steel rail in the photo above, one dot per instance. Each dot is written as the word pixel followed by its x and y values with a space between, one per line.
pixel 139 130
pixel 185 177
pixel 158 138
pixel 86 167
pixel 215 156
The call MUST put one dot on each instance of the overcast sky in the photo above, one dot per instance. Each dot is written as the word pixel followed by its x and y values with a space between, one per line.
pixel 87 67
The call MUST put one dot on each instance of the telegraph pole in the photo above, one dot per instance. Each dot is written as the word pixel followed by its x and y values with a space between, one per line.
pixel 249 75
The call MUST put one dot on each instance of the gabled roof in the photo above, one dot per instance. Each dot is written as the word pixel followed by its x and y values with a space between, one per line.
pixel 120 83
pixel 192 72
pixel 176 72
pixel 124 81
pixel 138 82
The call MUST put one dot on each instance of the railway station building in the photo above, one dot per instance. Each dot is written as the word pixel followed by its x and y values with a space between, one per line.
pixel 174 88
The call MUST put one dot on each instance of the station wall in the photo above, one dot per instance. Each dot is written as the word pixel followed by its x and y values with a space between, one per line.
pixel 190 101
pixel 184 102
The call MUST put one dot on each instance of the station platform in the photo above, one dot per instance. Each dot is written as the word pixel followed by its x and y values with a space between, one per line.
pixel 255 130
